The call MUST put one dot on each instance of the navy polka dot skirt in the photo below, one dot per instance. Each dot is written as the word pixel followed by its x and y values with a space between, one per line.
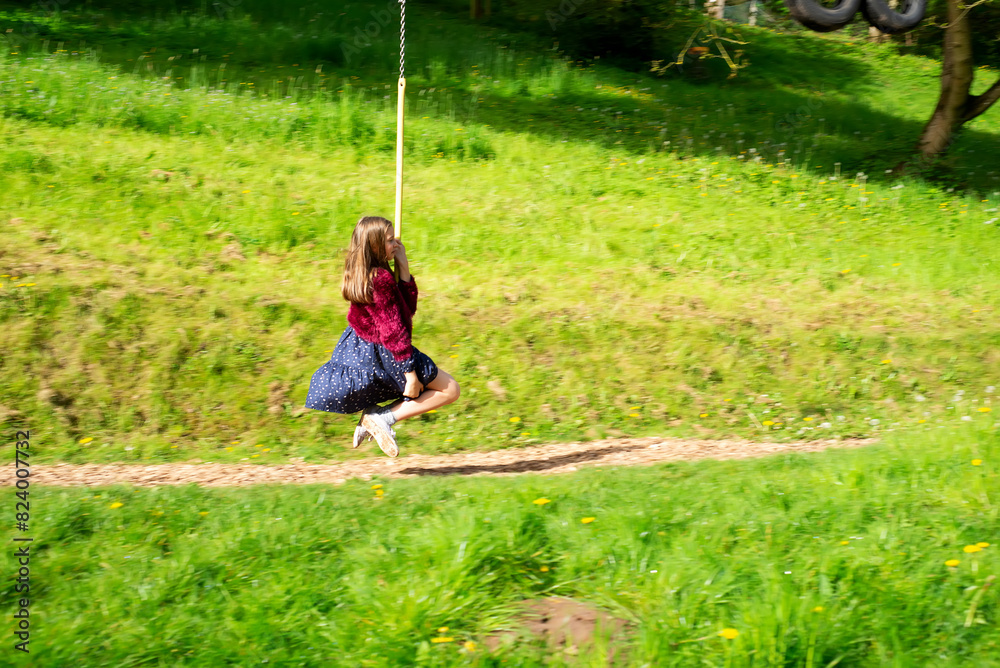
pixel 360 374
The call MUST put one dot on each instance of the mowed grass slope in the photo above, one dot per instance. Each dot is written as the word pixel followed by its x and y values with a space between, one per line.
pixel 173 262
pixel 881 556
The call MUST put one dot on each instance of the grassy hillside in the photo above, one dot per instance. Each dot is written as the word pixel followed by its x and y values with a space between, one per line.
pixel 871 557
pixel 597 252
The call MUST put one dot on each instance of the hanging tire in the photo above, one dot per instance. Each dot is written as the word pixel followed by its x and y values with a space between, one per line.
pixel 818 18
pixel 880 15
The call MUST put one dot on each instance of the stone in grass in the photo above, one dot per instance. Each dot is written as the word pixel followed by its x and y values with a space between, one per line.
pixel 564 623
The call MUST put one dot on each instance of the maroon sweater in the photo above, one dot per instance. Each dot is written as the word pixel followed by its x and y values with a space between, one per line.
pixel 389 321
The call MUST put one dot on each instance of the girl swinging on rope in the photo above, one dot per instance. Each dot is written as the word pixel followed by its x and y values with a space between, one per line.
pixel 374 360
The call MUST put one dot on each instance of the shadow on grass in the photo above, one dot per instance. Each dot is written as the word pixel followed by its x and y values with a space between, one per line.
pixel 523 466
pixel 804 100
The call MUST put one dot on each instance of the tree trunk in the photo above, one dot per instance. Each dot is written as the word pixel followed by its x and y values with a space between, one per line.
pixel 956 106
pixel 753 12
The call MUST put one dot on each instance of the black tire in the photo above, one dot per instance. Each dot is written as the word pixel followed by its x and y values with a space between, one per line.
pixel 879 14
pixel 818 18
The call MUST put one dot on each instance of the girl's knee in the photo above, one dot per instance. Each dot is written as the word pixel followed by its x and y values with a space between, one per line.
pixel 454 392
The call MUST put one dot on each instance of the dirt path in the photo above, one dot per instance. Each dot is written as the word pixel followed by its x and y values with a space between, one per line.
pixel 555 458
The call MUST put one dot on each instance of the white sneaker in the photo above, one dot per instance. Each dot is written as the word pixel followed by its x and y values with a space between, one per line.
pixel 384 435
pixel 360 433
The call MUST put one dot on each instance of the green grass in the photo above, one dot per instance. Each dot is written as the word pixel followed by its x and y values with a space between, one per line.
pixel 832 558
pixel 599 280
pixel 576 272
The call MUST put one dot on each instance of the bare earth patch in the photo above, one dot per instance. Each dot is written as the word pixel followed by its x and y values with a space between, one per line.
pixel 554 458
pixel 564 623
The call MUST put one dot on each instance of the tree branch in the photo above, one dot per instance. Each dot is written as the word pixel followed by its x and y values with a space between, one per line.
pixel 977 104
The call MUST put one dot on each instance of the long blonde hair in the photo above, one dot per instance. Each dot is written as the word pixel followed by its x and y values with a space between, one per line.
pixel 364 257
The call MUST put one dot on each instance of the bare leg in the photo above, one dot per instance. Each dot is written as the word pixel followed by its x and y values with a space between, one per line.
pixel 439 392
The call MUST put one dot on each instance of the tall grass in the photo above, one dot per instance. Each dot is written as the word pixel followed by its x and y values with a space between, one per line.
pixel 834 558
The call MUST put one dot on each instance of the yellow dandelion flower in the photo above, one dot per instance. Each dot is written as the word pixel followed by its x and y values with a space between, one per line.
pixel 541 502
pixel 984 409
pixel 84 441
pixel 525 433
pixel 767 423
pixel 257 455
pixel 844 271
pixel 703 415
pixel 515 419
pixel 970 549
pixel 544 569
pixel 818 608
pixel 982 545
pixel 977 462
pixel 267 449
pixel 896 264
pixel 844 542
pixel 886 361
pixel 634 408
pixel 588 520
pixel 633 415
pixel 807 419
pixel 729 634
pixel 203 513
pixel 469 646
pixel 952 563
pixel 379 492
pixel 921 421
pixel 116 504
pixel 442 639
pixel 443 629
pixel 453 356
pixel 235 442
pixel 229 448
pixel 376 486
